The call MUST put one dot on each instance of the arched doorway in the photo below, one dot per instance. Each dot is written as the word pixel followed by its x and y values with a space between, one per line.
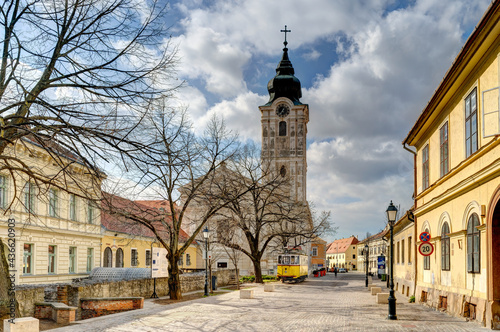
pixel 108 257
pixel 493 238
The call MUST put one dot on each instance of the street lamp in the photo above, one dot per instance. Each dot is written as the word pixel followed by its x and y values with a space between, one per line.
pixel 391 219
pixel 206 235
pixel 366 264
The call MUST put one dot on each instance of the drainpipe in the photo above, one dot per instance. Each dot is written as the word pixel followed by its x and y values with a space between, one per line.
pixel 415 260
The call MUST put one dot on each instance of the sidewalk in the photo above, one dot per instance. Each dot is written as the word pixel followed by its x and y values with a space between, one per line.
pixel 318 304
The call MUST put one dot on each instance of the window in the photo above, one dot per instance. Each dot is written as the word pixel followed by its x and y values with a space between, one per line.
pixel 473 245
pixel 53 202
pixel 134 257
pixel 181 260
pixel 283 171
pixel 3 192
pixel 425 167
pixel 282 128
pixel 72 259
pixel 72 207
pixel 397 253
pixel 445 247
pixel 470 124
pixel 353 256
pixel 148 257
pixel 443 149
pixel 52 260
pixel 409 250
pixel 119 257
pixel 188 260
pixel 315 251
pixel 28 259
pixel 90 259
pixel 29 197
pixel 427 259
pixel 90 212
pixel 402 251
pixel 108 257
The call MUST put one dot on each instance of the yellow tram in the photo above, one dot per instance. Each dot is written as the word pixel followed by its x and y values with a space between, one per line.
pixel 293 267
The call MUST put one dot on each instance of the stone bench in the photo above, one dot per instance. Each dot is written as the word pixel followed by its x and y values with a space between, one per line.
pixel 370 286
pixel 376 290
pixel 246 294
pixel 58 312
pixel 95 307
pixel 383 298
pixel 25 324
pixel 268 287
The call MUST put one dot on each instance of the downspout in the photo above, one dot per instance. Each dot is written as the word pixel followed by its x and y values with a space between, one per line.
pixel 415 260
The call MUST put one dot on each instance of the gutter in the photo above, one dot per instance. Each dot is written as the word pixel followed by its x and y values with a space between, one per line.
pixel 415 257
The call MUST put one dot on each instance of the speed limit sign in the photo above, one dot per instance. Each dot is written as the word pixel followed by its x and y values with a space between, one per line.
pixel 426 249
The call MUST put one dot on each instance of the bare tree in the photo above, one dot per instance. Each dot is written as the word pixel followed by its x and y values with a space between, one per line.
pixel 185 174
pixel 266 216
pixel 76 78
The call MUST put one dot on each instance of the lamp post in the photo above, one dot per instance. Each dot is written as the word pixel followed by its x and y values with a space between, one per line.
pixel 391 218
pixel 366 264
pixel 206 235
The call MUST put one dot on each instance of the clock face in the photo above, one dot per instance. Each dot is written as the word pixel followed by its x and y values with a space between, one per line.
pixel 282 110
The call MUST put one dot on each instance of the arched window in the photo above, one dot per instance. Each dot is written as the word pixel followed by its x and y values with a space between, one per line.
pixel 283 171
pixel 445 247
pixel 427 259
pixel 473 245
pixel 282 128
pixel 119 257
pixel 108 257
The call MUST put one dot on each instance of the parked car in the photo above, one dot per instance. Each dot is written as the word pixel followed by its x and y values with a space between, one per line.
pixel 342 270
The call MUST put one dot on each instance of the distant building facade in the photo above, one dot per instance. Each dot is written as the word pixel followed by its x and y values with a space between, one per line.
pixel 342 253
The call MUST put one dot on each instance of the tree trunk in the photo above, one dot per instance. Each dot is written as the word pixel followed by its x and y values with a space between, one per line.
pixel 4 282
pixel 174 282
pixel 237 278
pixel 258 271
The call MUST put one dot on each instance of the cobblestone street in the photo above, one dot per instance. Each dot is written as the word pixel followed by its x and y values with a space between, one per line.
pixel 318 304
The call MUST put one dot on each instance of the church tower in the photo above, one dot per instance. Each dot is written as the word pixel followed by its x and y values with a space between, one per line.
pixel 284 127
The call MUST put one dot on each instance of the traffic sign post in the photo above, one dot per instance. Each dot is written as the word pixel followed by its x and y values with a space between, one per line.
pixel 426 249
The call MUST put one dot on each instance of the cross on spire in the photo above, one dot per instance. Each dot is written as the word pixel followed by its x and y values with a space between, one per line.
pixel 285 31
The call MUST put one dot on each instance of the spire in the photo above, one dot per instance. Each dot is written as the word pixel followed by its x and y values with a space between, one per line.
pixel 284 84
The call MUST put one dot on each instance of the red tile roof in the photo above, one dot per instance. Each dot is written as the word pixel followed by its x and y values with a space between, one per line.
pixel 114 217
pixel 340 246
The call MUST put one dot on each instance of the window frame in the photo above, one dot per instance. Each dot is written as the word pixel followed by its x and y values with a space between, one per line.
pixel 470 115
pixel 53 202
pixel 445 248
pixel 282 129
pixel 107 258
pixel 315 251
pixel 134 258
pixel 3 191
pixel 72 260
pixel 52 260
pixel 90 212
pixel 444 149
pixel 30 197
pixel 28 255
pixel 119 257
pixel 473 245
pixel 148 257
pixel 73 208
pixel 90 259
pixel 425 167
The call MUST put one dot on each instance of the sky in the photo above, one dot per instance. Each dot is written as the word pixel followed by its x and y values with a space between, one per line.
pixel 367 69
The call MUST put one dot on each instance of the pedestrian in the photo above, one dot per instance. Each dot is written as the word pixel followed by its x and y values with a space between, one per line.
pixel 335 270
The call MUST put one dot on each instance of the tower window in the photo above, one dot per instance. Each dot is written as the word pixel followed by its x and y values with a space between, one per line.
pixel 282 128
pixel 283 171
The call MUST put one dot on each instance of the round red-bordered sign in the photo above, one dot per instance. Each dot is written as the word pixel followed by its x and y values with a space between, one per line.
pixel 426 249
pixel 425 237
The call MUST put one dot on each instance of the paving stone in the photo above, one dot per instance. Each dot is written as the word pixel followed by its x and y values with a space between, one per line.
pixel 318 304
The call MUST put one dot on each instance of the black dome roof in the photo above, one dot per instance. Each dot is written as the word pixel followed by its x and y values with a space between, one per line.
pixel 284 84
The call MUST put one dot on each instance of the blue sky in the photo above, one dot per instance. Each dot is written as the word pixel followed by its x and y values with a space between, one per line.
pixel 367 69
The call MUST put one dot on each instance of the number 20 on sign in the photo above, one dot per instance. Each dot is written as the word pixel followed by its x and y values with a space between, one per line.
pixel 426 249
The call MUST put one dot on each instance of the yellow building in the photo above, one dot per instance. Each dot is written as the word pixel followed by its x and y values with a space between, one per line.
pixel 404 255
pixel 457 142
pixel 57 234
pixel 342 253
pixel 129 244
